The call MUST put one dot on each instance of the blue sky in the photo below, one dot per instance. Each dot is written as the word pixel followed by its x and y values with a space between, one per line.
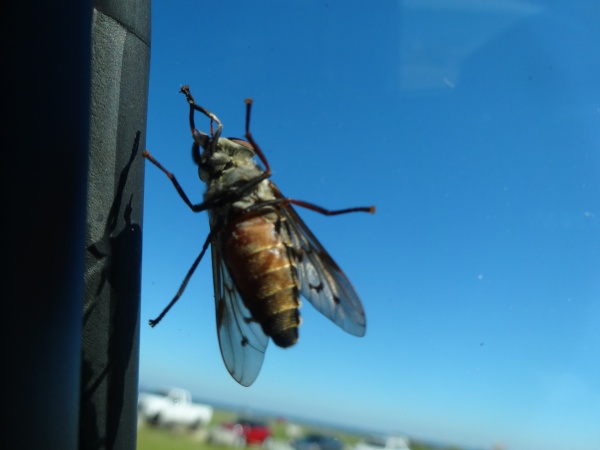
pixel 474 127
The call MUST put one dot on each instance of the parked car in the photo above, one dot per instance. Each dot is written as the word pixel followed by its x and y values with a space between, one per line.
pixel 240 433
pixel 317 442
pixel 383 443
pixel 173 407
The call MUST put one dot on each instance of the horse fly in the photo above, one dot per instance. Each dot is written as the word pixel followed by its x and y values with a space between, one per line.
pixel 263 255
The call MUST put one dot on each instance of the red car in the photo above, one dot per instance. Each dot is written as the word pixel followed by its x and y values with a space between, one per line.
pixel 241 433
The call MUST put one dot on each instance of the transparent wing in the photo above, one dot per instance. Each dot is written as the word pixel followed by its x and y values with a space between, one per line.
pixel 322 282
pixel 242 341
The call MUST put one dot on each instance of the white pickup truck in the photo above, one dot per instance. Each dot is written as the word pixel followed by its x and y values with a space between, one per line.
pixel 173 407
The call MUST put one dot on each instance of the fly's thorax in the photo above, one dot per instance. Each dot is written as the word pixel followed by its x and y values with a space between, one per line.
pixel 236 177
pixel 259 194
pixel 223 156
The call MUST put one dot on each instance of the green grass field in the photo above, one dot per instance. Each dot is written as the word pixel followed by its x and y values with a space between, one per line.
pixel 151 438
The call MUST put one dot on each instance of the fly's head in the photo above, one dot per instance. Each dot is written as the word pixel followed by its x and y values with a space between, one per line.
pixel 220 156
pixel 222 162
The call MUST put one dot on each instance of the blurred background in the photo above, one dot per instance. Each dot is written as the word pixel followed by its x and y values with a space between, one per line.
pixel 474 127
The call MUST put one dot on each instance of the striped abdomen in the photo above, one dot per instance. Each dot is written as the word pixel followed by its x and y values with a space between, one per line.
pixel 264 274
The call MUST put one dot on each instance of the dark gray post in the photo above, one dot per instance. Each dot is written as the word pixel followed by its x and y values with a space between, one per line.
pixel 45 127
pixel 119 91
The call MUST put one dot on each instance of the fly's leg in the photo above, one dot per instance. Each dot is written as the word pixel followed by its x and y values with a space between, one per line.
pixel 283 202
pixel 257 149
pixel 196 208
pixel 234 193
pixel 239 191
pixel 231 195
pixel 329 212
pixel 154 322
pixel 196 107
